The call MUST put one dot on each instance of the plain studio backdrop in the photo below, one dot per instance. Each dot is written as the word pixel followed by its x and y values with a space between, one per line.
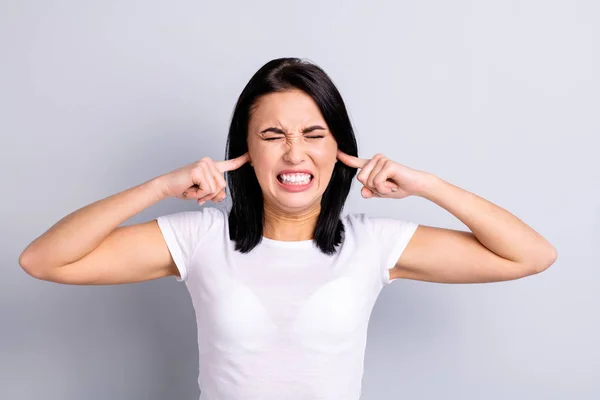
pixel 500 98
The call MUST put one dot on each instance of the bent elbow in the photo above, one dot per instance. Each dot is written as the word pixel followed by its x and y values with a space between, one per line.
pixel 28 265
pixel 25 261
pixel 543 265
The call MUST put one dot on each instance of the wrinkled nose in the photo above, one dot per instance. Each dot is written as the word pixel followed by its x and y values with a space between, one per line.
pixel 295 152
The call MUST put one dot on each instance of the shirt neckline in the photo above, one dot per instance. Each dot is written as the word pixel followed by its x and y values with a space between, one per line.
pixel 294 244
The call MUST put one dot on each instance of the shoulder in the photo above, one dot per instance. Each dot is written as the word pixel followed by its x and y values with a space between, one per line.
pixel 355 219
pixel 193 221
pixel 364 220
pixel 206 212
pixel 377 226
pixel 184 231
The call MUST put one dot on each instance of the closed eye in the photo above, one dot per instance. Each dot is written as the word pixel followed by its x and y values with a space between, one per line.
pixel 281 137
pixel 280 132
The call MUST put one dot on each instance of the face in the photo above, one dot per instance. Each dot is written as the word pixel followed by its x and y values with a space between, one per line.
pixel 291 149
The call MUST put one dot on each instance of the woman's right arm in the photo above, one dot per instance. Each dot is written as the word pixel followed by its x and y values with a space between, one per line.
pixel 88 247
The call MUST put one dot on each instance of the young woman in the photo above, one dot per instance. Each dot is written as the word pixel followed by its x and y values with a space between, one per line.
pixel 283 284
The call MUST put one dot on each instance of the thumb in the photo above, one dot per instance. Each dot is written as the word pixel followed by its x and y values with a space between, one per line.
pixel 366 193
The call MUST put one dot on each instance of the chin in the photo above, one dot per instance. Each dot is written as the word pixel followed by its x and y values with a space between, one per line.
pixel 297 204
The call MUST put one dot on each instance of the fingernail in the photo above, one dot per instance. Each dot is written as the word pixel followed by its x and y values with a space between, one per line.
pixel 394 190
pixel 202 202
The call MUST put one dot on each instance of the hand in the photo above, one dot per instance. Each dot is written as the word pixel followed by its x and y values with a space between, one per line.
pixel 383 177
pixel 202 180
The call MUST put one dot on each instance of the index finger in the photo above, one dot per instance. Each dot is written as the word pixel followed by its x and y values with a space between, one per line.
pixel 234 163
pixel 351 161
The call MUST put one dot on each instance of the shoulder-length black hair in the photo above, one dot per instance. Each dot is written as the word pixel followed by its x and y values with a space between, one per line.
pixel 246 217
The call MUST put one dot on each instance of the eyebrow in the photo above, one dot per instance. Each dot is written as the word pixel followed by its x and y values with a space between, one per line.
pixel 281 131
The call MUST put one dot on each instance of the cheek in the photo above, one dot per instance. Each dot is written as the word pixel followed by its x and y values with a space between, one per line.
pixel 326 155
pixel 263 162
pixel 324 158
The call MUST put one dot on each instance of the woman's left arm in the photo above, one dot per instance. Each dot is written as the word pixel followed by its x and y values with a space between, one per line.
pixel 499 246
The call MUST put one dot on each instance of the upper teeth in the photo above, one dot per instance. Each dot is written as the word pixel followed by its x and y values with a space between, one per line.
pixel 295 177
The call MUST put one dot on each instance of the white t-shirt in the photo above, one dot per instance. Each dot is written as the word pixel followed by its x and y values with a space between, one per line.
pixel 284 321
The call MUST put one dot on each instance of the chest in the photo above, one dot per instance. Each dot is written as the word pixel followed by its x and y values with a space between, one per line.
pixel 284 299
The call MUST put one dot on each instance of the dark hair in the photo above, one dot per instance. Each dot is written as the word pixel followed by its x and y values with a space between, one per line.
pixel 246 217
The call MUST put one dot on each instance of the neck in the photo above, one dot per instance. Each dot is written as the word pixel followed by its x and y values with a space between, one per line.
pixel 284 226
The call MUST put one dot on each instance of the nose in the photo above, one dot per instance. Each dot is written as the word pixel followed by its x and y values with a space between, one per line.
pixel 295 152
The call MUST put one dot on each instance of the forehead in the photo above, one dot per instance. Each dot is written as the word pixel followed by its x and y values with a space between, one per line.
pixel 289 108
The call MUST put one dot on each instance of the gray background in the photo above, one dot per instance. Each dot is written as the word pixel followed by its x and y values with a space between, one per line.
pixel 498 97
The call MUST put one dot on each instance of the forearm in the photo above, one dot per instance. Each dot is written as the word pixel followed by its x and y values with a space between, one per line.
pixel 497 229
pixel 80 232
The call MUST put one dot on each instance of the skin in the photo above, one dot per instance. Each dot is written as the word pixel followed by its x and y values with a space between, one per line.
pixel 89 247
pixel 287 131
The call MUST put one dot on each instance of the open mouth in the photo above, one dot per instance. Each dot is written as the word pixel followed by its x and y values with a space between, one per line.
pixel 299 179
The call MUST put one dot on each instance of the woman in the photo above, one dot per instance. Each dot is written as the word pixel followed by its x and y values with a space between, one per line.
pixel 283 285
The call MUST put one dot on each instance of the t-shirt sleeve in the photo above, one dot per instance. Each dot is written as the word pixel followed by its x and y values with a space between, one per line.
pixel 391 237
pixel 183 231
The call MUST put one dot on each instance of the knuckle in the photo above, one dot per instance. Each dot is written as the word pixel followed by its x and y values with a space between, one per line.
pixel 197 176
pixel 204 162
